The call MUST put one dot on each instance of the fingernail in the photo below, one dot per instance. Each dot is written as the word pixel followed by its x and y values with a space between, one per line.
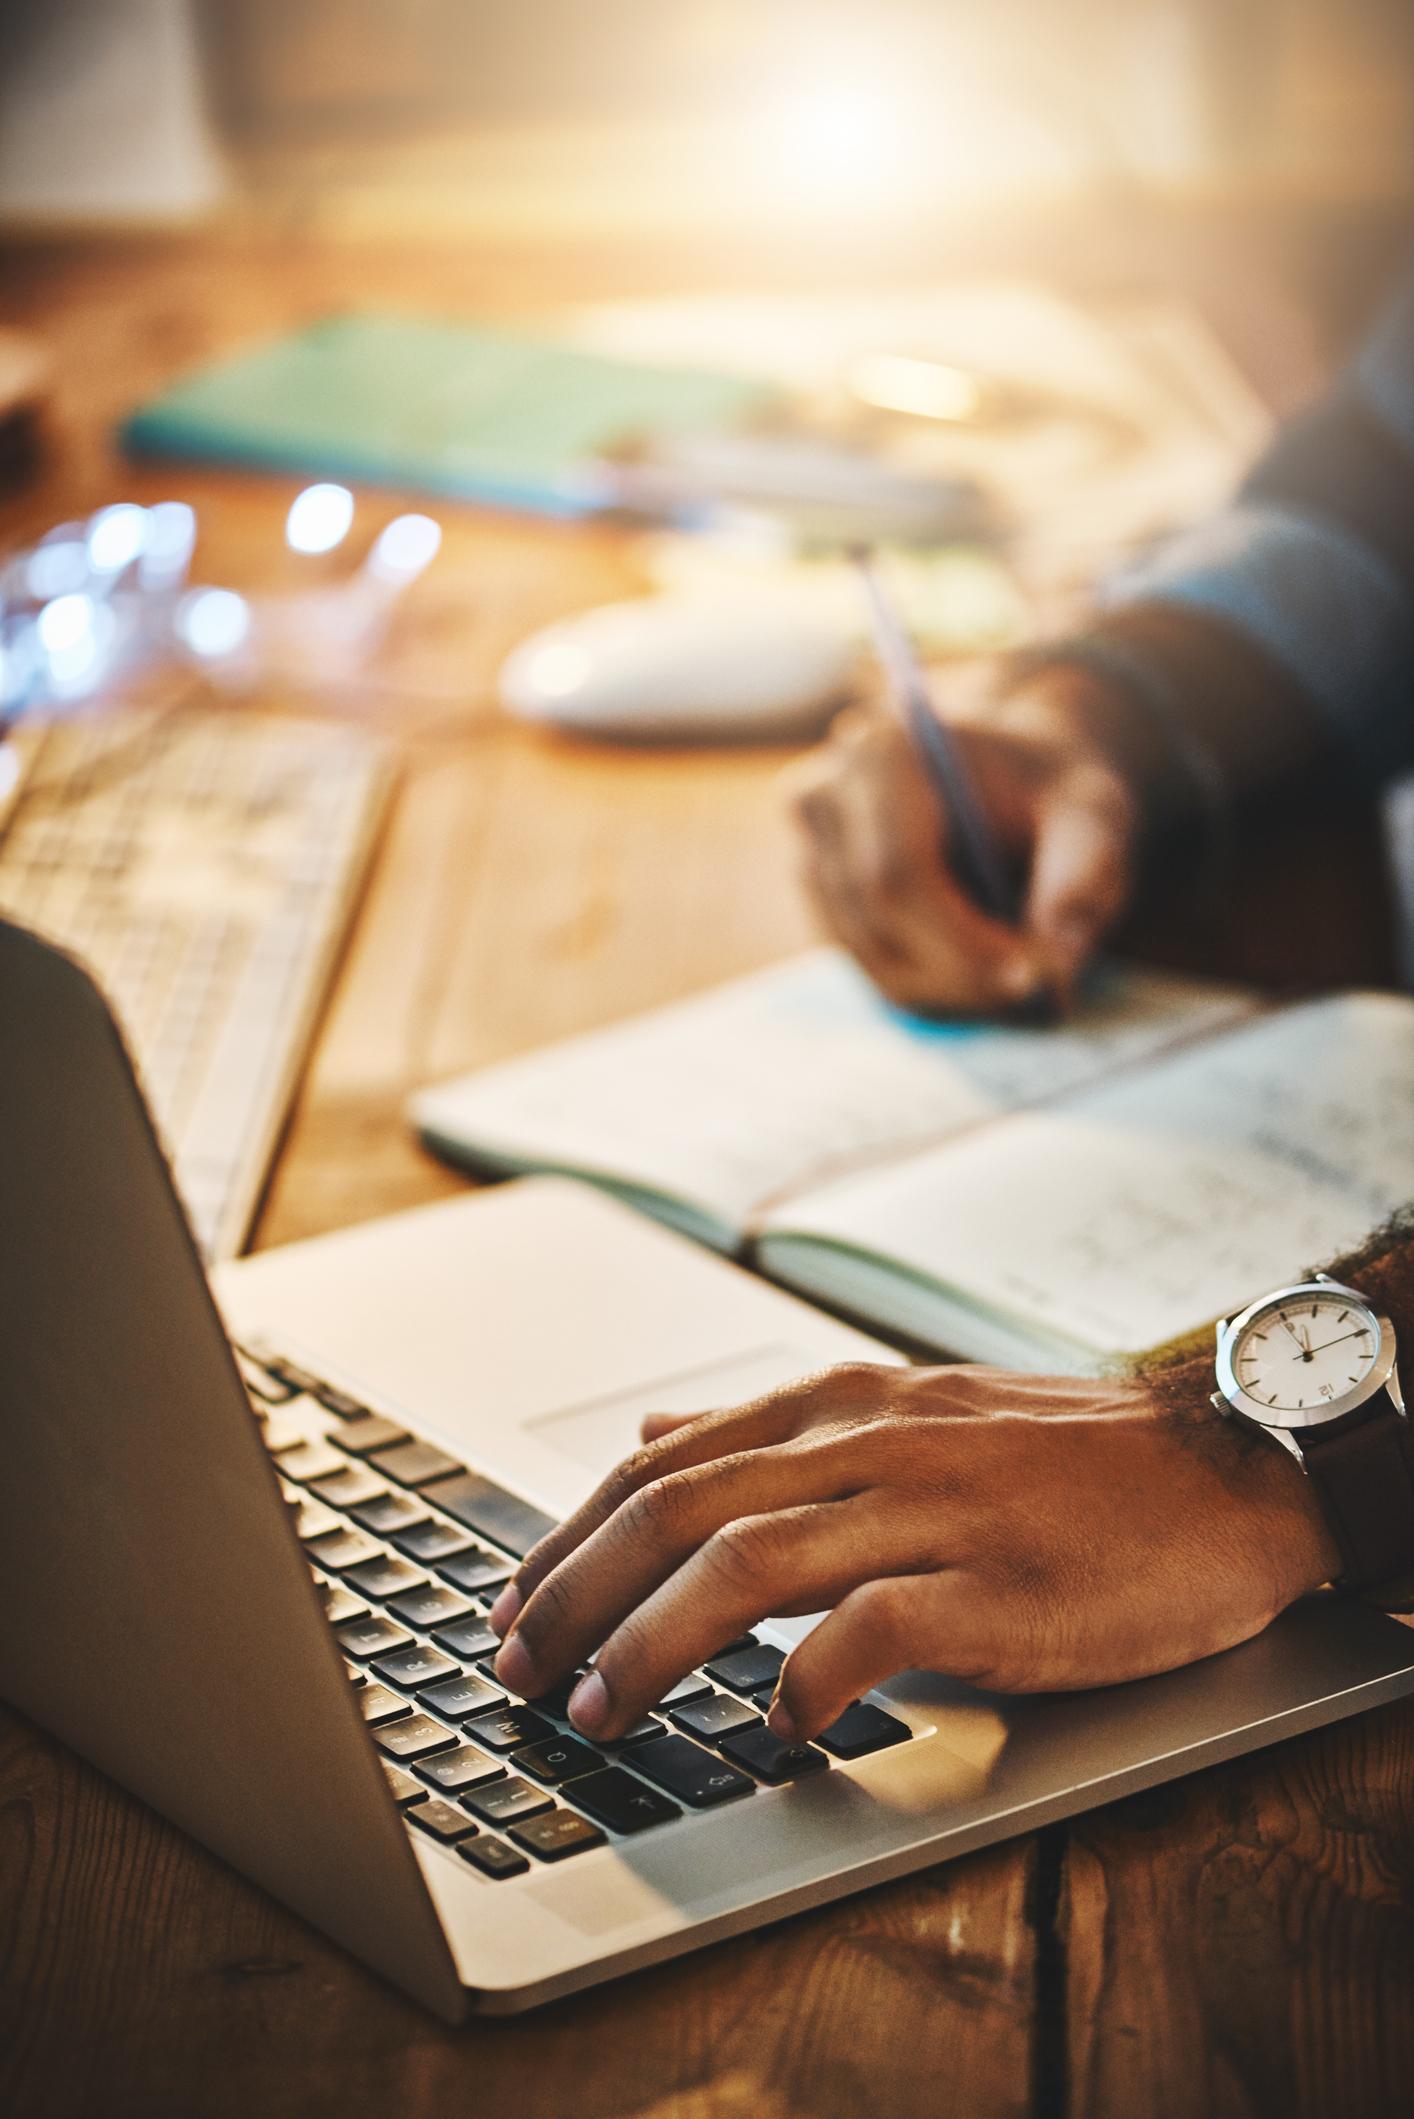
pixel 589 1707
pixel 781 1723
pixel 501 1617
pixel 515 1667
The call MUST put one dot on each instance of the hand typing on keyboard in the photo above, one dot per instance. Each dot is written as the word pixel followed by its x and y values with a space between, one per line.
pixel 1025 1533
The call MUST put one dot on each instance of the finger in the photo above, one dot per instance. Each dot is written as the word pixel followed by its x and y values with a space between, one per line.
pixel 659 1528
pixel 875 869
pixel 937 1621
pixel 840 908
pixel 577 1604
pixel 813 1554
pixel 654 1426
pixel 1080 877
pixel 762 1420
pixel 773 1417
pixel 830 867
pixel 894 837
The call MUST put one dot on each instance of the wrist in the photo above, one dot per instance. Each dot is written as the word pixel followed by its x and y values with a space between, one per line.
pixel 1130 710
pixel 1286 1513
pixel 1086 717
pixel 1263 1501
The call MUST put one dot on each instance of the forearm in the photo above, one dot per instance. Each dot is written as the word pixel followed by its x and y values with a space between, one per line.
pixel 1202 722
pixel 1273 647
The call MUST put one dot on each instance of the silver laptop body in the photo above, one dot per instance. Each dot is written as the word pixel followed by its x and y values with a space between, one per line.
pixel 161 1615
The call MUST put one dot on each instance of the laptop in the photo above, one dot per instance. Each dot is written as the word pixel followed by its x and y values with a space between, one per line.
pixel 249 1531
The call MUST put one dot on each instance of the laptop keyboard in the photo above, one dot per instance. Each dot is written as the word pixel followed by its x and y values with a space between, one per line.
pixel 410 1548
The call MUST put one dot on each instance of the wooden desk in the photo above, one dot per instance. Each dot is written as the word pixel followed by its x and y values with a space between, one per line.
pixel 1238 1944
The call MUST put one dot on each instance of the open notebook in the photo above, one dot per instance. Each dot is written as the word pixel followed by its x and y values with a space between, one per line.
pixel 1068 1198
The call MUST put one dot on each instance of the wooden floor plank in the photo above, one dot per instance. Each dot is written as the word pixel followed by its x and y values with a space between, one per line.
pixel 139 1979
pixel 1241 1944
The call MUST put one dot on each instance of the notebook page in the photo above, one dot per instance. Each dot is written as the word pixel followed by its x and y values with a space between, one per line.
pixel 761 1087
pixel 1151 1205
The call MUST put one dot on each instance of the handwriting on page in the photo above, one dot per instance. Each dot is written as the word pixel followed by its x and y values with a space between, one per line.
pixel 762 1087
pixel 1147 1206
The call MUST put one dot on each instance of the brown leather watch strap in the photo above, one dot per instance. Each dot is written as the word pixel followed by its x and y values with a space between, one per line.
pixel 1365 1478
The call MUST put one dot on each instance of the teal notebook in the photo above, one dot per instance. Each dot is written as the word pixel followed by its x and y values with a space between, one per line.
pixel 449 408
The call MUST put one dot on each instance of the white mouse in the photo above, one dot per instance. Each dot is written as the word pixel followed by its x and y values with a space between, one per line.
pixel 686 667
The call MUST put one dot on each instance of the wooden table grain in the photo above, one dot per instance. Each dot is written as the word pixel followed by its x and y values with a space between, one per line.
pixel 1240 1944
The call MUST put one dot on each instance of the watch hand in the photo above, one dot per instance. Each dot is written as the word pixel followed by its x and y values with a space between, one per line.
pixel 1305 1349
pixel 1356 1334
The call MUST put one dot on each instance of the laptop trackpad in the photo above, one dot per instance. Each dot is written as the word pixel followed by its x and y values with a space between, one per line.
pixel 598 1432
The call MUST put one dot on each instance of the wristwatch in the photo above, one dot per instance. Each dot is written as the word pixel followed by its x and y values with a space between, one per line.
pixel 1313 1366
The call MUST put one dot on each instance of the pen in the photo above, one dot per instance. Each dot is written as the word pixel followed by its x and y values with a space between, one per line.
pixel 972 849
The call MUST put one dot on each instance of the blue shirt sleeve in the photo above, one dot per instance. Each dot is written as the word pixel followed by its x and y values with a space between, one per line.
pixel 1314 562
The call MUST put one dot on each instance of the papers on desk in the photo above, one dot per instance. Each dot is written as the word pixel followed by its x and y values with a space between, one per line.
pixel 1113 422
pixel 1069 1197
pixel 445 407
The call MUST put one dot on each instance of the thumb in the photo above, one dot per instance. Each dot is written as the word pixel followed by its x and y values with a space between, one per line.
pixel 1081 876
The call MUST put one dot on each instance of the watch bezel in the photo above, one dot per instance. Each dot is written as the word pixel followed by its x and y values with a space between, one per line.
pixel 1370 1385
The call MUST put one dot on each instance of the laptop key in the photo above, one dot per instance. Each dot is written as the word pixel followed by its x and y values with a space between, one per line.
pixel 301 1383
pixel 476 1569
pixel 386 1513
pixel 339 1606
pixel 470 1638
pixel 492 1857
pixel 353 1482
pixel 861 1729
pixel 491 1512
pixel 713 1718
pixel 416 1736
pixel 413 1463
pixel 558 1759
pixel 378 1705
pixel 430 1605
pixel 509 1728
pixel 641 1733
pixel 748 1669
pixel 559 1834
pixel 339 1402
pixel 461 1698
pixel 360 1437
pixel 500 1802
pixel 312 1519
pixel 557 1699
pixel 430 1541
pixel 370 1636
pixel 405 1788
pixel 384 1577
pixel 282 1431
pixel 769 1759
pixel 465 1767
pixel 692 1687
pixel 307 1461
pixel 618 1800
pixel 412 1668
pixel 442 1820
pixel 267 1383
pixel 691 1774
pixel 340 1550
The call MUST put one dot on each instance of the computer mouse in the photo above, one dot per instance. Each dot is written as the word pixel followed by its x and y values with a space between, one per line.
pixel 681 667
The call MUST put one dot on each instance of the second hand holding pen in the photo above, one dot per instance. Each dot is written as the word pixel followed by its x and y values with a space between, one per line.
pixel 971 847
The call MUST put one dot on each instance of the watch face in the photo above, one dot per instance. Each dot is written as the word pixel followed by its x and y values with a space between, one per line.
pixel 1300 1353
